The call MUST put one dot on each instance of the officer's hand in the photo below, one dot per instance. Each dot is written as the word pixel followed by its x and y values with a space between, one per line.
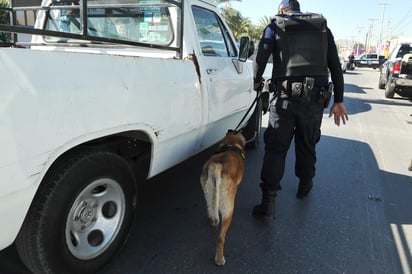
pixel 257 85
pixel 338 110
pixel 264 98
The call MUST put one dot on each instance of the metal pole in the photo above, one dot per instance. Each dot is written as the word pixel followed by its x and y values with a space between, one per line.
pixel 370 36
pixel 13 21
pixel 381 30
pixel 359 40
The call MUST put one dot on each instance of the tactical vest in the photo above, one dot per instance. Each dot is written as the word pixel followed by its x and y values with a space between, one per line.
pixel 301 45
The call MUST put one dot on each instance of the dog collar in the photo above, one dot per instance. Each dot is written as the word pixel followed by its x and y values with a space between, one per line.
pixel 224 148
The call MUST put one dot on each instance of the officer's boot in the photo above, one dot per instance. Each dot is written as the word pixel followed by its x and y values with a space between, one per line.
pixel 305 186
pixel 266 209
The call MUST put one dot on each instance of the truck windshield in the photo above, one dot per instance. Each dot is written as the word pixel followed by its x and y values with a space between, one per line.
pixel 137 21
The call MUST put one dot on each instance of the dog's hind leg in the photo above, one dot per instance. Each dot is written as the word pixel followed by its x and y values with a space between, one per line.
pixel 226 210
pixel 219 257
pixel 210 184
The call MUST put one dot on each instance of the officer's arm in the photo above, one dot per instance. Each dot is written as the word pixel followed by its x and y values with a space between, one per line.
pixel 265 49
pixel 338 109
pixel 335 69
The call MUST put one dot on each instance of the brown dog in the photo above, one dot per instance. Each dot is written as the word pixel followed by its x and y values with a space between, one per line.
pixel 220 177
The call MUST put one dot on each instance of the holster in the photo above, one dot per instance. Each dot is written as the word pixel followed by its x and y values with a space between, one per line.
pixel 325 95
pixel 299 91
pixel 304 91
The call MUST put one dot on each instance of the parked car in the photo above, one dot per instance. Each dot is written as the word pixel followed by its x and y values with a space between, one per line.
pixel 396 73
pixel 369 60
pixel 343 63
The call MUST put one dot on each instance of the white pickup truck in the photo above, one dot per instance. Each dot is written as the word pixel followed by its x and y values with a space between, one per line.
pixel 108 91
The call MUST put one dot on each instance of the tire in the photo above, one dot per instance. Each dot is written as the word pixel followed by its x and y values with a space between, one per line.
pixel 253 127
pixel 80 216
pixel 389 89
pixel 381 83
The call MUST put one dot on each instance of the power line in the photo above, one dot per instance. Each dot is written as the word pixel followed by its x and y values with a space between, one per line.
pixel 404 23
pixel 404 17
pixel 400 29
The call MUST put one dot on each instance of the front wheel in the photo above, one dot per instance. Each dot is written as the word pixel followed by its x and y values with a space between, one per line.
pixel 253 127
pixel 81 215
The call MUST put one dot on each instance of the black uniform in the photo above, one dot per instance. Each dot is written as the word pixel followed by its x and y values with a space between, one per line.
pixel 301 60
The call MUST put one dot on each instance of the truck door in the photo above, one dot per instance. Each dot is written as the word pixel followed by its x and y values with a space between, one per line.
pixel 229 91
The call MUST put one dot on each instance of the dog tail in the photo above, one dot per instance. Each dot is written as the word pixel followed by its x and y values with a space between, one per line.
pixel 216 174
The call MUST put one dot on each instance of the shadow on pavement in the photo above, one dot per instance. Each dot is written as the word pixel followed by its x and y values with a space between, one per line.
pixel 354 221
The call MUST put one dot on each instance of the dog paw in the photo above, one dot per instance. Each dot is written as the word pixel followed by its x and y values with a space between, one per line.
pixel 213 221
pixel 220 261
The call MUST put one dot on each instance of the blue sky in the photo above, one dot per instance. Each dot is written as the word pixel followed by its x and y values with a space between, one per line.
pixel 348 19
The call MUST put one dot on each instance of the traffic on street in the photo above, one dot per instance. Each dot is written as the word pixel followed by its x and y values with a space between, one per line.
pixel 356 219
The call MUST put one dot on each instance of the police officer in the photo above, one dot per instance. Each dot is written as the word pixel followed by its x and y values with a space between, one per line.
pixel 303 49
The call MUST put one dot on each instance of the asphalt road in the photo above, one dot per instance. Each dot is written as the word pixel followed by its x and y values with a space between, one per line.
pixel 356 220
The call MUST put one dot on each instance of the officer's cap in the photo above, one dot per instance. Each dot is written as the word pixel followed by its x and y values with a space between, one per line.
pixel 289 4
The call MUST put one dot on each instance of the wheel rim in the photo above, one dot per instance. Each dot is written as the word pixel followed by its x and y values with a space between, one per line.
pixel 95 219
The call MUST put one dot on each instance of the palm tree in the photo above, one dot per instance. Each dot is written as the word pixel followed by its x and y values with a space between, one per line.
pixel 226 2
pixel 4 19
pixel 264 21
pixel 237 23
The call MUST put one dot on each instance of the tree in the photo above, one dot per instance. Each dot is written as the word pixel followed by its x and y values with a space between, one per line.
pixel 226 2
pixel 264 21
pixel 4 19
pixel 237 23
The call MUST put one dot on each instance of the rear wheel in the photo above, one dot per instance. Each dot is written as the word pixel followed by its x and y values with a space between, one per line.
pixel 389 89
pixel 381 83
pixel 81 215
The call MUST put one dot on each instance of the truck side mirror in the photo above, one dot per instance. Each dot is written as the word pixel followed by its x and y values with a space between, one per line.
pixel 243 49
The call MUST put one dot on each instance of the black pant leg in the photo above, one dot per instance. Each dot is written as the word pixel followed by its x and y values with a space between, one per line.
pixel 307 135
pixel 277 138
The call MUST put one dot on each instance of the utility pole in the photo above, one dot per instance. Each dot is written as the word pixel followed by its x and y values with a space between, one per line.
pixel 388 40
pixel 370 36
pixel 388 30
pixel 359 40
pixel 381 31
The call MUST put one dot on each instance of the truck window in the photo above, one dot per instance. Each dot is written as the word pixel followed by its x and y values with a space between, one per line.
pixel 137 21
pixel 405 49
pixel 213 36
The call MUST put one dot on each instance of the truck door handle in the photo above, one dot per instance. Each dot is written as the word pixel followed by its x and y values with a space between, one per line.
pixel 211 70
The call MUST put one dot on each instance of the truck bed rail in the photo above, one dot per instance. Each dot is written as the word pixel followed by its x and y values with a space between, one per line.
pixel 83 11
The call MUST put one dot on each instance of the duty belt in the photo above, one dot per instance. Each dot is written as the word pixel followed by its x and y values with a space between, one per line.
pixel 304 91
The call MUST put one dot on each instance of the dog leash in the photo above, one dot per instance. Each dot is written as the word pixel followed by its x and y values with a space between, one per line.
pixel 258 94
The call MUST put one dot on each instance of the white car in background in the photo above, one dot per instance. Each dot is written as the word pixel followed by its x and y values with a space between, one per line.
pixel 343 63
